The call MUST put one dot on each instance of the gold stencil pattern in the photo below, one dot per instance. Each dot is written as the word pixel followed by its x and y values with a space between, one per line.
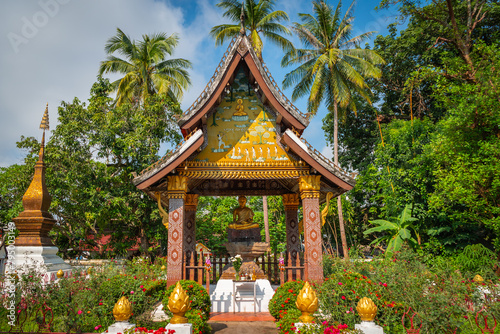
pixel 241 130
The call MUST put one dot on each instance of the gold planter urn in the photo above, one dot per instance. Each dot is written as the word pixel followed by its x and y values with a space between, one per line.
pixel 122 310
pixel 178 304
pixel 307 303
pixel 366 309
pixel 60 274
pixel 478 279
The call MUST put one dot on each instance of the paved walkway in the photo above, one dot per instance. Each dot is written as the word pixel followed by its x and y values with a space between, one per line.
pixel 237 327
pixel 242 323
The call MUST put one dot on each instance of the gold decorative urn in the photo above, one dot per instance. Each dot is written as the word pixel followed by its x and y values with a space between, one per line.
pixel 178 304
pixel 60 274
pixel 307 303
pixel 478 279
pixel 122 310
pixel 366 309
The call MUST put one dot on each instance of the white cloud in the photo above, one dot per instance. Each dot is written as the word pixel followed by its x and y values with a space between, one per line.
pixel 59 57
pixel 327 152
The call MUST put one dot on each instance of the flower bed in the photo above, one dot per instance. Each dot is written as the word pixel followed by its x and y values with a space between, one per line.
pixel 444 302
pixel 85 303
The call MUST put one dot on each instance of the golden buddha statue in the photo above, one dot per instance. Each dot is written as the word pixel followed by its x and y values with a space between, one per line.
pixel 240 109
pixel 243 216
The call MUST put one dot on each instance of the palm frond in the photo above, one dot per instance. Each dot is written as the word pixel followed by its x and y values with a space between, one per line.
pixel 223 32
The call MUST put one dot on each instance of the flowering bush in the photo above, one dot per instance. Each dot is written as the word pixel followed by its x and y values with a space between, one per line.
pixel 284 299
pixel 85 303
pixel 445 302
pixel 282 306
pixel 161 330
pixel 326 328
pixel 200 305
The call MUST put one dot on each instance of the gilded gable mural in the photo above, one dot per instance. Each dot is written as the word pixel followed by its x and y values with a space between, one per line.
pixel 240 130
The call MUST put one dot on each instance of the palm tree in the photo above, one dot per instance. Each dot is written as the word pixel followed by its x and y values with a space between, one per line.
pixel 145 67
pixel 332 68
pixel 259 19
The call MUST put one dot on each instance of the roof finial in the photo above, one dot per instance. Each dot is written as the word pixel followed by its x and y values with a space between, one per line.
pixel 44 125
pixel 242 19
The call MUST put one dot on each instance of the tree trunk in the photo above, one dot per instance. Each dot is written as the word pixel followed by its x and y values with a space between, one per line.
pixel 336 161
pixel 144 241
pixel 266 218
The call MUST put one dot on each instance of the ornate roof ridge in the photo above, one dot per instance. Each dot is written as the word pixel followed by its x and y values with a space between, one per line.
pixel 278 94
pixel 264 71
pixel 168 157
pixel 209 87
pixel 324 161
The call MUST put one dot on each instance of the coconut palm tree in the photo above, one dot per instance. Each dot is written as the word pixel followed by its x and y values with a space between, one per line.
pixel 332 68
pixel 145 67
pixel 259 19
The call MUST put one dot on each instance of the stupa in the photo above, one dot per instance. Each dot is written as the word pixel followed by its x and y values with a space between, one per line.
pixel 33 247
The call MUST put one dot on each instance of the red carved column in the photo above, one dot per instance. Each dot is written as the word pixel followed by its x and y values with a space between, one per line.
pixel 309 192
pixel 177 188
pixel 189 224
pixel 291 203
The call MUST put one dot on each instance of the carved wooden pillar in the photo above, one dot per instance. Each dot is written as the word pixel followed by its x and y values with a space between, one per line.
pixel 189 224
pixel 177 188
pixel 309 192
pixel 291 203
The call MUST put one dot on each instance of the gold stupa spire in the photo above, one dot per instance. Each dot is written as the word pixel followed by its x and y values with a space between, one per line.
pixel 44 125
pixel 35 222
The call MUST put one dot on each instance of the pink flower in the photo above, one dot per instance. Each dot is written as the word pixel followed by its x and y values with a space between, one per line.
pixel 79 312
pixel 325 323
pixel 131 292
pixel 384 284
pixel 141 286
pixel 340 283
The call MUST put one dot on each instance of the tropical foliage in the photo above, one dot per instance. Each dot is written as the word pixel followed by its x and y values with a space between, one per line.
pixel 91 157
pixel 145 67
pixel 332 68
pixel 397 232
pixel 431 139
pixel 260 20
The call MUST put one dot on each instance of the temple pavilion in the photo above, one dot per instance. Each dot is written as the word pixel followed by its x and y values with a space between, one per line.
pixel 242 136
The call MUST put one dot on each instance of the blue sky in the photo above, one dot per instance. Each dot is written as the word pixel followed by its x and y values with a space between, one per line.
pixel 51 49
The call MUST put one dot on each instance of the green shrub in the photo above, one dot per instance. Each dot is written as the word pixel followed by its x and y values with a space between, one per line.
pixel 476 259
pixel 284 299
pixel 445 301
pixel 200 305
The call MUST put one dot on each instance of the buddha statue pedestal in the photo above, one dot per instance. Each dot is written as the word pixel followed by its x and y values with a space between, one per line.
pixel 248 235
pixel 249 251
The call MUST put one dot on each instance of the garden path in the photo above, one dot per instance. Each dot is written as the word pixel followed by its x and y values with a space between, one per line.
pixel 243 327
pixel 242 323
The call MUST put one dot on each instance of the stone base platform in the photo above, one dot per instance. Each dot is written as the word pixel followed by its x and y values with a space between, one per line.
pixel 222 297
pixel 41 258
